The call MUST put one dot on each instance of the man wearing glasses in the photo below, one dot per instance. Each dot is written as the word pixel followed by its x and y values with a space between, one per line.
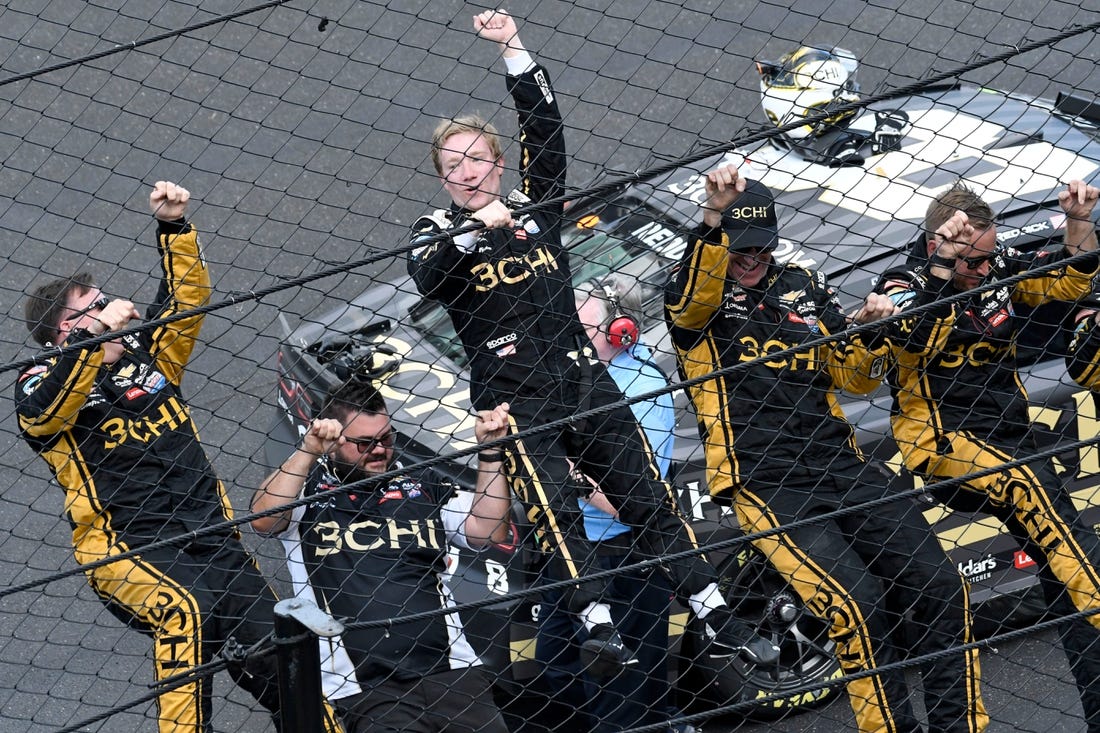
pixel 960 408
pixel 373 549
pixel 111 422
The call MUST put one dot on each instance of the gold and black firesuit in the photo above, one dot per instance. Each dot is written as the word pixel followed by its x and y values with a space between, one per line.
pixel 960 408
pixel 779 450
pixel 120 440
pixel 1083 357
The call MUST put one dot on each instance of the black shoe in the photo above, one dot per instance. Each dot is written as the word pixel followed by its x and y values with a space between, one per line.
pixel 729 637
pixel 603 654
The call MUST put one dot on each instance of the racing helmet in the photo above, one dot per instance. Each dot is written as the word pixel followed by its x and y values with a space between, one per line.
pixel 806 82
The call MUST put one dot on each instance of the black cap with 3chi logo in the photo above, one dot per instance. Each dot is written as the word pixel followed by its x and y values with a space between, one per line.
pixel 750 221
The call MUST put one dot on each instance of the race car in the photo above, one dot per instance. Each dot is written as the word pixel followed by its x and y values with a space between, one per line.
pixel 849 215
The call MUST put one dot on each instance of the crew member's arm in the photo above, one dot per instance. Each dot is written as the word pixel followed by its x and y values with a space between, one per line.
pixel 48 396
pixel 694 293
pixel 285 483
pixel 952 238
pixel 858 364
pixel 443 266
pixel 438 267
pixel 599 500
pixel 1083 356
pixel 1078 201
pixel 487 522
pixel 1073 281
pixel 541 131
pixel 926 333
pixel 185 281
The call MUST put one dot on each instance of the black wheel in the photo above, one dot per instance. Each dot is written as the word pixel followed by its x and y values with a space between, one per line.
pixel 764 600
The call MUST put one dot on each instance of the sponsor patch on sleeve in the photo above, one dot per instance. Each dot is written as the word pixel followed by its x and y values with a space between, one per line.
pixel 878 368
pixel 901 297
pixel 544 86
pixel 425 251
pixel 32 378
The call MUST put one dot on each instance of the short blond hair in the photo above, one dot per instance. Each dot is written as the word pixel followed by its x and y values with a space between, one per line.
pixel 959 197
pixel 447 129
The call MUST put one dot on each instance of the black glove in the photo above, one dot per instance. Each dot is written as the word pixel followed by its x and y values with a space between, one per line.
pixel 890 128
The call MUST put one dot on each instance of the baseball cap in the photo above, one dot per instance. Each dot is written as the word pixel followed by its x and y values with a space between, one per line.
pixel 751 221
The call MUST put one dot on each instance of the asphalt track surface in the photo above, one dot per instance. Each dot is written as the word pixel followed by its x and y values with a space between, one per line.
pixel 334 125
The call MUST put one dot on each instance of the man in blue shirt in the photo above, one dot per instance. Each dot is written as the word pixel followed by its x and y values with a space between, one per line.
pixel 611 314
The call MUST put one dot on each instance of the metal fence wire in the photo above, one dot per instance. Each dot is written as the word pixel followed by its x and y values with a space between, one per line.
pixel 901 505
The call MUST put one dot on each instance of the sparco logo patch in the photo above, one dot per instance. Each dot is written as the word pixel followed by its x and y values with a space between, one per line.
pixel 544 86
pixel 493 343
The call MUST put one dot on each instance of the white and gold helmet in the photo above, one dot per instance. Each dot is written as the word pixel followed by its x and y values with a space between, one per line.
pixel 806 82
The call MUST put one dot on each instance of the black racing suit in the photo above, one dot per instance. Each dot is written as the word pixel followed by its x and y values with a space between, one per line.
pixel 511 300
pixel 381 553
pixel 780 450
pixel 959 407
pixel 120 441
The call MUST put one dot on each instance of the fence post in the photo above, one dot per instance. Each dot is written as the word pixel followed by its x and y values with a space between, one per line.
pixel 297 625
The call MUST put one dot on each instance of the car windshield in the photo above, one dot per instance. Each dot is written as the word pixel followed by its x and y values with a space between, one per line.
pixel 431 321
pixel 629 240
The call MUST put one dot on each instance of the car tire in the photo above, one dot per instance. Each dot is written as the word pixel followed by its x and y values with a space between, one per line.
pixel 805 676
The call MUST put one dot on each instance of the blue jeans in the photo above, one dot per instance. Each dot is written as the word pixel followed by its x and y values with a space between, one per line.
pixel 641 694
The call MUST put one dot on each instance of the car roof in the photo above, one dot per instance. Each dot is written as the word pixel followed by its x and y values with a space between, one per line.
pixel 850 222
pixel 853 221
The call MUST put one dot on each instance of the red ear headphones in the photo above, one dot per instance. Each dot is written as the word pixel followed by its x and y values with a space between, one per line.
pixel 622 330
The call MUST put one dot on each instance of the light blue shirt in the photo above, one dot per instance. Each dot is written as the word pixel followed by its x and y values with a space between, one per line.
pixel 635 373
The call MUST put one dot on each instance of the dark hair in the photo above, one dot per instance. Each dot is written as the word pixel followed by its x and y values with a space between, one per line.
pixel 46 303
pixel 351 397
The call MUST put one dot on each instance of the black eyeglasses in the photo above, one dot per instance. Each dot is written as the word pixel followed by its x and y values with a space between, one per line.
pixel 366 445
pixel 101 302
pixel 973 263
